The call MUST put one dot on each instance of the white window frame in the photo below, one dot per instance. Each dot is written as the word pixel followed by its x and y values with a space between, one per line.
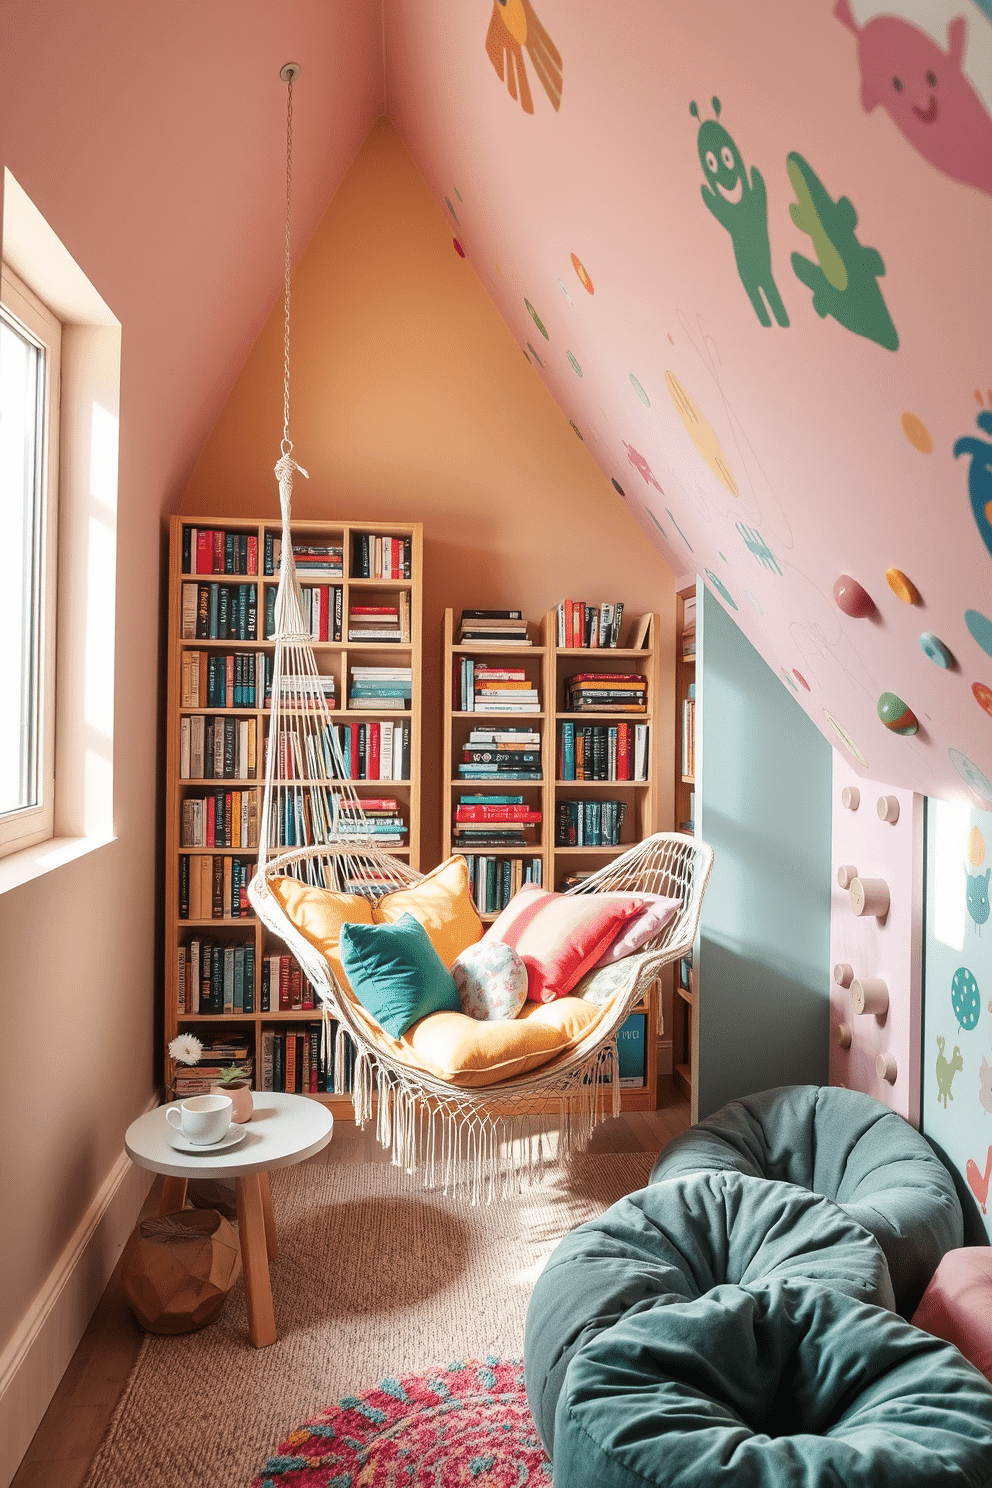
pixel 31 824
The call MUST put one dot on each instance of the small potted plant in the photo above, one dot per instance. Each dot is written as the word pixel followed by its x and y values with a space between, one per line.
pixel 231 1081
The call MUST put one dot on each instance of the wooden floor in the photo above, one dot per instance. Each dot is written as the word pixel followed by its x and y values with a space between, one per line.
pixel 73 1426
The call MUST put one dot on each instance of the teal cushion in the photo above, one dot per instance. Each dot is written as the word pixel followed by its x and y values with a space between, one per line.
pixel 775 1385
pixel 847 1146
pixel 674 1242
pixel 396 973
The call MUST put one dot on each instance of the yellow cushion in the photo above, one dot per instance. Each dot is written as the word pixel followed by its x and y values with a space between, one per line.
pixel 442 902
pixel 466 1051
pixel 319 914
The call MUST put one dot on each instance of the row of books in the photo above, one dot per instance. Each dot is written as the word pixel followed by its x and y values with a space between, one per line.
pixel 494 881
pixel 219 612
pixel 603 751
pixel 507 747
pixel 212 748
pixel 493 628
pixel 220 818
pixel 381 624
pixel 284 986
pixel 387 689
pixel 377 750
pixel 302 1061
pixel 324 558
pixel 589 823
pixel 224 679
pixel 494 821
pixel 215 977
pixel 217 1055
pixel 606 692
pixel 214 887
pixel 323 611
pixel 380 557
pixel 580 624
pixel 482 688
pixel 689 734
pixel 208 550
pixel 305 817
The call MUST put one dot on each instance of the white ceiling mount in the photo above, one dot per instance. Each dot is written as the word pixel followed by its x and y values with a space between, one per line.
pixel 289 71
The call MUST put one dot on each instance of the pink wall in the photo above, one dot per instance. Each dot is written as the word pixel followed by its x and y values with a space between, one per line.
pixel 152 140
pixel 768 457
pixel 887 948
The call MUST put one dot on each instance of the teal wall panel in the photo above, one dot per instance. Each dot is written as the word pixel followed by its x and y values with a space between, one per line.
pixel 763 805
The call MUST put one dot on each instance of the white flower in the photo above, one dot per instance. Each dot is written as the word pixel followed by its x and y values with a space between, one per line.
pixel 186 1049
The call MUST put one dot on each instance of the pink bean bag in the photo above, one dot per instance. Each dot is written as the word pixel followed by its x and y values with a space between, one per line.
pixel 957 1305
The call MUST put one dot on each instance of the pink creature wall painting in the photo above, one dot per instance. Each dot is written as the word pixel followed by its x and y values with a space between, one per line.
pixel 925 93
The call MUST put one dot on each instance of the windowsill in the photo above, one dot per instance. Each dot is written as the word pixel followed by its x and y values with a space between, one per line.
pixel 41 858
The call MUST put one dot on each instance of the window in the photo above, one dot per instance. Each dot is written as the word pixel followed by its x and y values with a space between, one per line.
pixel 30 356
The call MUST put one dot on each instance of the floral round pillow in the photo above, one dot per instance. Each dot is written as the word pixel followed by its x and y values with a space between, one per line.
pixel 491 980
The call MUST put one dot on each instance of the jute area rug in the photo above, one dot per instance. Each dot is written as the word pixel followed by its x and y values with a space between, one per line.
pixel 375 1277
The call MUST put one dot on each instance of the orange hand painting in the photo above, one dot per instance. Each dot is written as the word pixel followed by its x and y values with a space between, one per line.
pixel 514 26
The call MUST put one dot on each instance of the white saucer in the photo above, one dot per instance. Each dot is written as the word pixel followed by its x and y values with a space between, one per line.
pixel 231 1138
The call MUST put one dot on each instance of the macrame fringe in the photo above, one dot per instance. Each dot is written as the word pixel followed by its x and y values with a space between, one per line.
pixel 467 1151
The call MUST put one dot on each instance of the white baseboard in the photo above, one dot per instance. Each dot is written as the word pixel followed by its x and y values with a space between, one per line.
pixel 36 1357
pixel 665 1060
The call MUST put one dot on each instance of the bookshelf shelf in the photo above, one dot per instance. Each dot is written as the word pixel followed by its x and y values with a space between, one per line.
pixel 333 596
pixel 546 667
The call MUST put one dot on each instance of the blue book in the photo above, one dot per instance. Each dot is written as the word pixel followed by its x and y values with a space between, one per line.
pixel 490 800
pixel 632 1050
pixel 568 751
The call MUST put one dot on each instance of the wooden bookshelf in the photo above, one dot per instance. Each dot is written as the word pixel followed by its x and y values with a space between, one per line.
pixel 684 797
pixel 335 658
pixel 546 668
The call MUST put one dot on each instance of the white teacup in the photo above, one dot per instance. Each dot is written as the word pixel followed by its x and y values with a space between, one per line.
pixel 202 1119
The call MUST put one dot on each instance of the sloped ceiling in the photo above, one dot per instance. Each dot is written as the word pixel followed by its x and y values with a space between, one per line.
pixel 746 245
pixel 748 248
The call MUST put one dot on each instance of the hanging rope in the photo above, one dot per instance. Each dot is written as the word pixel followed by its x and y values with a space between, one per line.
pixel 288 73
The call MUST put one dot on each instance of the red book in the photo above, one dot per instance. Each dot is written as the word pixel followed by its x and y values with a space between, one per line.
pixel 578 622
pixel 325 611
pixel 568 623
pixel 371 803
pixel 374 610
pixel 211 822
pixel 353 768
pixel 253 555
pixel 284 1003
pixel 497 813
pixel 372 752
pixel 623 751
pixel 204 551
pixel 218 559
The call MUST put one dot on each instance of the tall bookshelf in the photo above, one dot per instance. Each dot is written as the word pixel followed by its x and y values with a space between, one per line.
pixel 684 797
pixel 241 718
pixel 547 668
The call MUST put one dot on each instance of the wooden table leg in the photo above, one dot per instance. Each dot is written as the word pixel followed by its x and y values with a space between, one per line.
pixel 271 1240
pixel 254 1260
pixel 173 1195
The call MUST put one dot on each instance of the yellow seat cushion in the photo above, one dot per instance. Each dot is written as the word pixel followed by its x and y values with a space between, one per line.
pixel 318 914
pixel 442 902
pixel 465 1051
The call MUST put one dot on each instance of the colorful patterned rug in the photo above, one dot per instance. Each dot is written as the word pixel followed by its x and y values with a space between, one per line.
pixel 462 1426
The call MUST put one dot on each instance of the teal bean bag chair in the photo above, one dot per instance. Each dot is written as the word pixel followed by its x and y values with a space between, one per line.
pixel 782 1384
pixel 850 1148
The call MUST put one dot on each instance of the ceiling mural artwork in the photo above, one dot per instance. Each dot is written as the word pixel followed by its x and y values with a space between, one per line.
pixel 842 151
pixel 925 93
pixel 512 28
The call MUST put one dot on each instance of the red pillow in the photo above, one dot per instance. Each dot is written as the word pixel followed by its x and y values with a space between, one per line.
pixel 559 936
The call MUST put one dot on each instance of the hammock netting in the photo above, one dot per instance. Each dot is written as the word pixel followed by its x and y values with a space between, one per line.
pixel 313 827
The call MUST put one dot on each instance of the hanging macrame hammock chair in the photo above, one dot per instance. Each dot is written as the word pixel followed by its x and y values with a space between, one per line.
pixel 312 828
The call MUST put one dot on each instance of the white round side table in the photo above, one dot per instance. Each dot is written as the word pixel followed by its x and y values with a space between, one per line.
pixel 284 1129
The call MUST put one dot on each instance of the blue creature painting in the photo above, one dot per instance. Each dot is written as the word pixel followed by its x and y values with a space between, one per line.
pixel 977 890
pixel 979 476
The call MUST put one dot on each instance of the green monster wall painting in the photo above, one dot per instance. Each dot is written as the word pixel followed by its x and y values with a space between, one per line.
pixel 956 1108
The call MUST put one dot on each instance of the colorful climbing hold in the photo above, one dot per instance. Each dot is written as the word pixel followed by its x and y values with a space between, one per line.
pixel 852 598
pixel 902 587
pixel 936 650
pixel 897 715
